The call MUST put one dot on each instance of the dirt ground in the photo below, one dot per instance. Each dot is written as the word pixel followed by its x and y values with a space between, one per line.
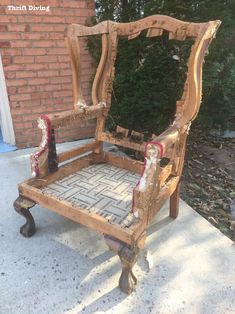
pixel 208 181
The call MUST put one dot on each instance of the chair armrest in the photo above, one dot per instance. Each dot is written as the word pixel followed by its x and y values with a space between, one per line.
pixel 166 139
pixel 83 113
pixel 44 160
pixel 148 185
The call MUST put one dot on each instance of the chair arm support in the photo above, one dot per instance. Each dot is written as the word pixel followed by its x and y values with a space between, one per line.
pixel 148 185
pixel 44 160
pixel 39 160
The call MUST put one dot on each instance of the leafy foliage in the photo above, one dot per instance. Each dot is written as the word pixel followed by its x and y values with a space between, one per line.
pixel 150 72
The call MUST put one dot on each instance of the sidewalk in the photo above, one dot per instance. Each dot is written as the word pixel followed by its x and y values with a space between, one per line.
pixel 66 268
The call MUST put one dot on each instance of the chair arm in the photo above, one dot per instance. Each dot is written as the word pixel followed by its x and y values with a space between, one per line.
pixel 44 160
pixel 83 113
pixel 166 139
pixel 148 185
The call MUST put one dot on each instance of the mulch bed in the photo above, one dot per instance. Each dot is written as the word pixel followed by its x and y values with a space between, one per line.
pixel 208 180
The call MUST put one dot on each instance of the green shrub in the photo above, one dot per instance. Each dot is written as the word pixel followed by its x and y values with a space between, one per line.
pixel 150 72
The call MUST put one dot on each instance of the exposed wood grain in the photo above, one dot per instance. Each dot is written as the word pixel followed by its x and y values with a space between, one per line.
pixel 65 209
pixel 174 202
pixel 64 118
pixel 77 151
pixel 107 137
pixel 95 94
pixel 63 171
pixel 164 174
pixel 124 162
pixel 74 51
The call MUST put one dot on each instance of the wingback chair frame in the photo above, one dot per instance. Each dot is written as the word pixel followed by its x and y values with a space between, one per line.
pixel 156 184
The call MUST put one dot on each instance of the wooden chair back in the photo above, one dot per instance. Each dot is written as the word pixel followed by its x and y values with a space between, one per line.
pixel 186 108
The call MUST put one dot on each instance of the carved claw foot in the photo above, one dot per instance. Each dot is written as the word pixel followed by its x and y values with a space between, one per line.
pixel 22 206
pixel 128 257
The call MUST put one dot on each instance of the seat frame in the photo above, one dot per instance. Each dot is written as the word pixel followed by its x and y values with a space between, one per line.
pixel 156 184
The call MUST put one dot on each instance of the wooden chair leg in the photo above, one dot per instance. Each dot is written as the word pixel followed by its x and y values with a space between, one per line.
pixel 174 202
pixel 22 206
pixel 128 256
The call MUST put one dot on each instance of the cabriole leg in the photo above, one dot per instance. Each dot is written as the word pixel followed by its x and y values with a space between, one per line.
pixel 128 257
pixel 174 202
pixel 22 206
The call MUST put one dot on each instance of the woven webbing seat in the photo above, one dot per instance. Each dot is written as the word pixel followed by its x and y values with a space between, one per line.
pixel 101 189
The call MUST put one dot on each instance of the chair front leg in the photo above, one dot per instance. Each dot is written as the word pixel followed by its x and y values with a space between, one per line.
pixel 174 202
pixel 128 257
pixel 22 206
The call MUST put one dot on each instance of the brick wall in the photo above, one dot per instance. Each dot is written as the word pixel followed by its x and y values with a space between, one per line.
pixel 37 66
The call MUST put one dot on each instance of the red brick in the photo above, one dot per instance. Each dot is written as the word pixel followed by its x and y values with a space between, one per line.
pixel 47 73
pixel 65 72
pixel 60 65
pixel 24 125
pixel 10 75
pixel 75 20
pixel 34 36
pixel 6 61
pixel 50 87
pixel 64 58
pixel 53 19
pixel 24 59
pixel 5 44
pixel 8 36
pixel 45 43
pixel 45 59
pixel 73 4
pixel 27 105
pixel 34 52
pixel 16 82
pixel 57 51
pixel 18 28
pixel 60 27
pixel 67 86
pixel 40 95
pixel 29 19
pixel 12 90
pixel 29 89
pixel 19 97
pixel 37 66
pixel 8 18
pixel 38 81
pixel 20 44
pixel 2 10
pixel 23 74
pixel 91 5
pixel 59 80
pixel 55 35
pixel 42 28
pixel 61 43
pixel 11 52
pixel 3 28
pixel 62 93
pixel 68 12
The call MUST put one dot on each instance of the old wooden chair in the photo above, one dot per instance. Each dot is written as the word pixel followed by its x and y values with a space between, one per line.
pixel 115 195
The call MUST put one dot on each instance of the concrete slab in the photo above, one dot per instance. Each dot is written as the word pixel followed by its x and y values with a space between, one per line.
pixel 66 268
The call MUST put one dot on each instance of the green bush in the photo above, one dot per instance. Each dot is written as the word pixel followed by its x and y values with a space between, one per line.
pixel 150 72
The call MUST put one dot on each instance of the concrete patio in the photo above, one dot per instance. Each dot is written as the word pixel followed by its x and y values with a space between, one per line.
pixel 66 268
